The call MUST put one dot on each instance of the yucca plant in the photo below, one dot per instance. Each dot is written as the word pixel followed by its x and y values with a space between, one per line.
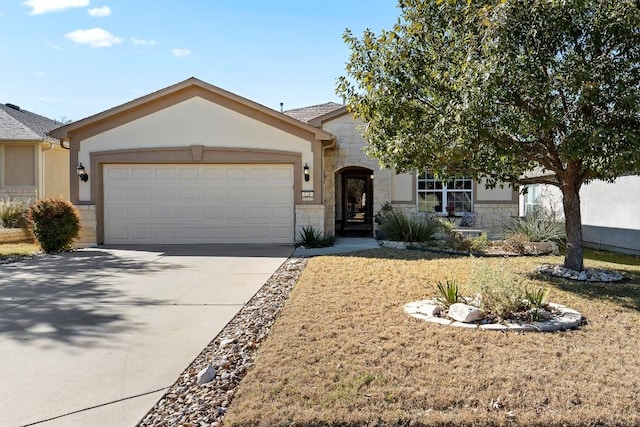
pixel 535 298
pixel 449 293
pixel 399 227
pixel 538 226
pixel 309 237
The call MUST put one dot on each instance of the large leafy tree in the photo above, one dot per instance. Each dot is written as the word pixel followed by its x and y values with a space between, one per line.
pixel 498 89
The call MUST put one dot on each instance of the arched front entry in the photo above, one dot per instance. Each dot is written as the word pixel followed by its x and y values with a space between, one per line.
pixel 354 201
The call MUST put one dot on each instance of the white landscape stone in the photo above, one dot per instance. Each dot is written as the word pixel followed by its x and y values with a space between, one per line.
pixel 465 313
pixel 206 375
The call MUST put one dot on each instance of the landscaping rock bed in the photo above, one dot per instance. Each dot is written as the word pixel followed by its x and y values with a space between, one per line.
pixel 586 275
pixel 559 318
pixel 201 395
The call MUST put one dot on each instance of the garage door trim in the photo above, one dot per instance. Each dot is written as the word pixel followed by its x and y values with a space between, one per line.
pixel 185 155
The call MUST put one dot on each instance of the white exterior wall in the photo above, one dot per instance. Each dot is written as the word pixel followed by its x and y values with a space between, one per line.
pixel 610 212
pixel 348 152
pixel 195 121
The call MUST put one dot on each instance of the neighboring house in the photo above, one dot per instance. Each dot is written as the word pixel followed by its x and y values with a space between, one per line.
pixel 610 211
pixel 193 163
pixel 33 165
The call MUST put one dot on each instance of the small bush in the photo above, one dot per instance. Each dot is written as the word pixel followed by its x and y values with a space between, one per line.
pixel 516 243
pixel 538 226
pixel 381 216
pixel 501 291
pixel 55 224
pixel 402 228
pixel 480 243
pixel 14 213
pixel 309 237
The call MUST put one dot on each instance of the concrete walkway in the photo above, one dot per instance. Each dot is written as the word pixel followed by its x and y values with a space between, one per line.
pixel 342 245
pixel 94 337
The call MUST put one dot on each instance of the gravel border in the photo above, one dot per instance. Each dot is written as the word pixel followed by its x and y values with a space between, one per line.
pixel 227 358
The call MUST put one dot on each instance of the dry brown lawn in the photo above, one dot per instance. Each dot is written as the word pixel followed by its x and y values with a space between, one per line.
pixel 8 250
pixel 344 353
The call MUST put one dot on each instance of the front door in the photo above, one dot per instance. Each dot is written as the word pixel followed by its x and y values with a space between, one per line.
pixel 357 204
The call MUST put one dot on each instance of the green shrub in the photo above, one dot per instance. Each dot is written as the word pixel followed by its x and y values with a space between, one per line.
pixel 14 213
pixel 55 224
pixel 538 226
pixel 449 293
pixel 380 217
pixel 402 228
pixel 309 237
pixel 480 243
pixel 501 292
pixel 536 298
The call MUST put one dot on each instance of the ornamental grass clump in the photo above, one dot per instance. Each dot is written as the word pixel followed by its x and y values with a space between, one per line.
pixel 538 226
pixel 13 213
pixel 400 227
pixel 55 223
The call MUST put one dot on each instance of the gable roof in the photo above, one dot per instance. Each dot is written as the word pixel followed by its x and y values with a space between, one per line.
pixel 17 124
pixel 142 104
pixel 306 114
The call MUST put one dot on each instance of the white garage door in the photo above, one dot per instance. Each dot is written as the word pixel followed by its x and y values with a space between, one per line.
pixel 198 204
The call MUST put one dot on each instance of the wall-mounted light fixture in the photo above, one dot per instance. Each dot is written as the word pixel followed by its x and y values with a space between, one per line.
pixel 306 172
pixel 82 173
pixel 371 177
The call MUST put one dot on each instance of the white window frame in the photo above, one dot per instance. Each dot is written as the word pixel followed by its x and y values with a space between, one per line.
pixel 428 184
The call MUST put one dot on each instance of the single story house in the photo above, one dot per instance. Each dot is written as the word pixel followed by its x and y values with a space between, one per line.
pixel 610 211
pixel 193 163
pixel 33 165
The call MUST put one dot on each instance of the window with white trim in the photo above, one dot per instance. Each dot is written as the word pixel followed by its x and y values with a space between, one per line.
pixel 435 195
pixel 532 198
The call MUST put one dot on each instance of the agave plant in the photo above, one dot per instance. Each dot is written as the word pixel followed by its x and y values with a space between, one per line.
pixel 449 293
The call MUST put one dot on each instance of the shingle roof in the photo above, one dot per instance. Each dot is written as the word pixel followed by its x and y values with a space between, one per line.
pixel 17 124
pixel 306 114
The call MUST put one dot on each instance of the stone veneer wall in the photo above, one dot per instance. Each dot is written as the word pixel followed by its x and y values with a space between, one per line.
pixel 15 235
pixel 88 225
pixel 348 153
pixel 309 215
pixel 493 216
pixel 25 194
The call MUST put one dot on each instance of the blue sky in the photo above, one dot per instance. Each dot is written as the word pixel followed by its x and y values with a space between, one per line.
pixel 74 58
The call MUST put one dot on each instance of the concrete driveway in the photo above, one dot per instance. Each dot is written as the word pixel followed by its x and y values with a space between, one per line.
pixel 94 337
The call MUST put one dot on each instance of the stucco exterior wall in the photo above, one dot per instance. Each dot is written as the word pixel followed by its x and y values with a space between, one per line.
pixel 610 213
pixel 195 121
pixel 403 188
pixel 348 152
pixel 56 173
pixel 483 194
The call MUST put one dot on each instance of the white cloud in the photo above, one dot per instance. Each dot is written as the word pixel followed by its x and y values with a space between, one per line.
pixel 95 37
pixel 181 53
pixel 38 7
pixel 99 11
pixel 142 42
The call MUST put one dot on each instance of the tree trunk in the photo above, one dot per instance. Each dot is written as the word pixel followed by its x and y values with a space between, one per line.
pixel 573 223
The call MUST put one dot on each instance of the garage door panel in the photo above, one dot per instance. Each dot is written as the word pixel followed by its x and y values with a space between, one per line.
pixel 198 204
pixel 165 173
